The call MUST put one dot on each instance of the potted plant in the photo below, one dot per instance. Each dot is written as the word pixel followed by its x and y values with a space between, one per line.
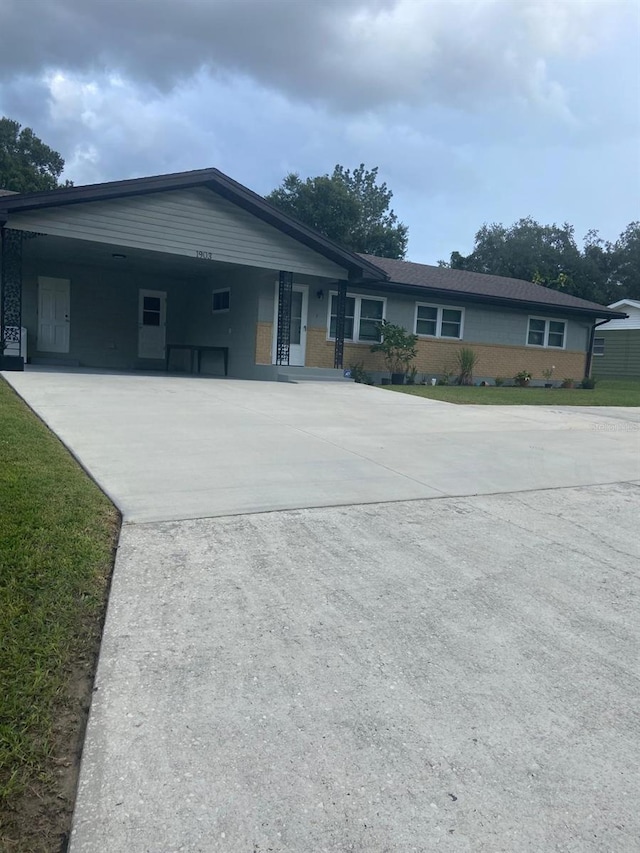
pixel 567 383
pixel 548 375
pixel 411 375
pixel 522 378
pixel 398 348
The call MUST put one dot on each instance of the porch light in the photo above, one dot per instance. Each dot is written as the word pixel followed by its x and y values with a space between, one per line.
pixel 320 293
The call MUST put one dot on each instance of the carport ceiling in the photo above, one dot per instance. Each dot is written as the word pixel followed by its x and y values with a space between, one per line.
pixel 88 253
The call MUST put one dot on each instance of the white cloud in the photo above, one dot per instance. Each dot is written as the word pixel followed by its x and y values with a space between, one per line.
pixel 115 129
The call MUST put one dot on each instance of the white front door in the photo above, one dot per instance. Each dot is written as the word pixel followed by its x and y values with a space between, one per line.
pixel 53 314
pixel 298 334
pixel 152 323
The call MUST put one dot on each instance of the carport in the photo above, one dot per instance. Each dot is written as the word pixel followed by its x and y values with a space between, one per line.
pixel 119 307
pixel 190 269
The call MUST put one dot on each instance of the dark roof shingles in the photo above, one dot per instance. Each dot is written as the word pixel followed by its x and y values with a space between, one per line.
pixel 478 284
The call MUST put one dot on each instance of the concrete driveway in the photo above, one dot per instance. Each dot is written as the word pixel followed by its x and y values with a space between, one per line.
pixel 167 448
pixel 349 675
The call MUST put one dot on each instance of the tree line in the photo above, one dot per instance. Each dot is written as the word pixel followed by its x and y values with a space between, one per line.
pixel 353 208
pixel 600 271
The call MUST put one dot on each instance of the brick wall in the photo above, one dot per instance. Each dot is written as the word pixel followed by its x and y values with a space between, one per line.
pixel 320 352
pixel 437 357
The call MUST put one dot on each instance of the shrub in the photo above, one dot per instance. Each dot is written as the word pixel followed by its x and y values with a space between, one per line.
pixel 467 360
pixel 445 379
pixel 548 372
pixel 588 383
pixel 398 347
pixel 499 380
pixel 523 377
pixel 360 375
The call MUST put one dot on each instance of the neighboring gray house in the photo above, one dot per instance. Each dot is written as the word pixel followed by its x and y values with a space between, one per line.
pixel 616 349
pixel 195 271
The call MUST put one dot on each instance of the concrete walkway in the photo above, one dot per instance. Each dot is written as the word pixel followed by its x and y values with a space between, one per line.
pixel 369 677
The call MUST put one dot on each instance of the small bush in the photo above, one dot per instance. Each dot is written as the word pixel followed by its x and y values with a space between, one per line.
pixel 499 380
pixel 360 375
pixel 467 360
pixel 397 345
pixel 588 383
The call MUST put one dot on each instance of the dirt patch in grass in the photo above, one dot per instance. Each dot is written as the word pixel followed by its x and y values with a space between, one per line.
pixel 58 534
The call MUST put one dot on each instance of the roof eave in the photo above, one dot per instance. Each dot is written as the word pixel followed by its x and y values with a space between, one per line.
pixel 211 179
pixel 632 302
pixel 260 207
pixel 464 296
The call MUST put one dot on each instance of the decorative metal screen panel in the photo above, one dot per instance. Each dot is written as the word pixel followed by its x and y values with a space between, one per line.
pixel 11 291
pixel 283 341
pixel 340 316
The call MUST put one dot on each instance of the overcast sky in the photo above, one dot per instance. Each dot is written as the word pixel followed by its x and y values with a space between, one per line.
pixel 474 110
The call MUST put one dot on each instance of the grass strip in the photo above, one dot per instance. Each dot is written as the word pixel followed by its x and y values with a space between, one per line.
pixel 58 533
pixel 608 392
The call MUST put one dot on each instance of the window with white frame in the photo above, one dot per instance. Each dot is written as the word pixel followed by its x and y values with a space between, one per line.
pixel 362 318
pixel 598 346
pixel 220 300
pixel 546 333
pixel 437 321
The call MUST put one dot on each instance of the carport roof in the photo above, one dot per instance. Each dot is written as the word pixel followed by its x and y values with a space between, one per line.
pixel 438 282
pixel 385 273
pixel 212 179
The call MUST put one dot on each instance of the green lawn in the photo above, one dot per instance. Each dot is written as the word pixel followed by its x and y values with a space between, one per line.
pixel 608 392
pixel 57 538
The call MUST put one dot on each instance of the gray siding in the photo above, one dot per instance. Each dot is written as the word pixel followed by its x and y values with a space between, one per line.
pixel 484 325
pixel 235 328
pixel 104 312
pixel 317 316
pixel 621 353
pixel 104 315
pixel 182 222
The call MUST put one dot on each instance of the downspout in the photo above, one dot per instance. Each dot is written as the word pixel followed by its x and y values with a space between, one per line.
pixel 589 359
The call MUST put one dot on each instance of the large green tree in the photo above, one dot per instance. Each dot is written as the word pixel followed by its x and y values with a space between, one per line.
pixel 350 207
pixel 549 255
pixel 625 262
pixel 26 163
